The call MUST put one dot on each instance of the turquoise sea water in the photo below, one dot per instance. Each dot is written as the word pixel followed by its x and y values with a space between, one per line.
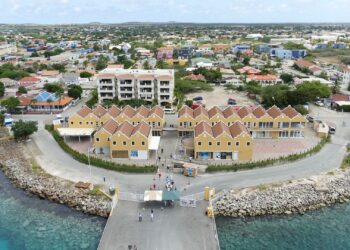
pixel 26 223
pixel 328 228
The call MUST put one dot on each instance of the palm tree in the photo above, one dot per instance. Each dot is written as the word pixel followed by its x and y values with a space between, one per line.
pixel 59 93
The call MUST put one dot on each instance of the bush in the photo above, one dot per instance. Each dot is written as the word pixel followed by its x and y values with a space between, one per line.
pixel 301 109
pixel 267 162
pixel 97 162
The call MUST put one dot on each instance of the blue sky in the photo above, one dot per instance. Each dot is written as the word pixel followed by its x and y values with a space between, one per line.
pixel 117 11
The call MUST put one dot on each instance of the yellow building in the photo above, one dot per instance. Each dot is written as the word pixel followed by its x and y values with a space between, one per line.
pixel 87 118
pixel 261 123
pixel 222 142
pixel 131 142
pixel 102 137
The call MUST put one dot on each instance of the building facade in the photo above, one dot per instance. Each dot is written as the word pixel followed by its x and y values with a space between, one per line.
pixel 222 142
pixel 287 54
pixel 261 123
pixel 147 85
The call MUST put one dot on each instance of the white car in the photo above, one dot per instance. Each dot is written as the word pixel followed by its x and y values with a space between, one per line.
pixel 319 103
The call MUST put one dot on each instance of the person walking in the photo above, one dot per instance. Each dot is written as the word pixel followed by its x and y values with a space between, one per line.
pixel 152 215
pixel 140 217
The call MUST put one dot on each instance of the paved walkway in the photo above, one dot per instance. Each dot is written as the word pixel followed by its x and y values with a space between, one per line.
pixel 56 162
pixel 177 228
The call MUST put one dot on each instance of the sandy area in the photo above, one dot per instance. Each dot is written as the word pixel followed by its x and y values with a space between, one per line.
pixel 219 97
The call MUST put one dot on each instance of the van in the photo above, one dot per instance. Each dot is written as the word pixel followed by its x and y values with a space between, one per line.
pixel 169 111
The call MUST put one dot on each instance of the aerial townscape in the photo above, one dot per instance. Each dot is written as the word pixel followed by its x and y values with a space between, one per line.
pixel 174 135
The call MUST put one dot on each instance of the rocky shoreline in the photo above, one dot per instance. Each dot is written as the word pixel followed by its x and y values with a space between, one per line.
pixel 286 198
pixel 17 167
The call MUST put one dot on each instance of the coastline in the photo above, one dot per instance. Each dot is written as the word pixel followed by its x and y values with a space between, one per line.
pixel 290 197
pixel 16 166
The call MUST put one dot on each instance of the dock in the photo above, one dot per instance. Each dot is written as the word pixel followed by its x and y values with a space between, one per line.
pixel 173 228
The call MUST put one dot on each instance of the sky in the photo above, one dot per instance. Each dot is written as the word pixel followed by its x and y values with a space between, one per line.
pixel 201 11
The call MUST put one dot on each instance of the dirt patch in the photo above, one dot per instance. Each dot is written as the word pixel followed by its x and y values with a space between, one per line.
pixel 219 97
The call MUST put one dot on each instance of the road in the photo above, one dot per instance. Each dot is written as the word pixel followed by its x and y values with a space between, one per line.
pixel 56 162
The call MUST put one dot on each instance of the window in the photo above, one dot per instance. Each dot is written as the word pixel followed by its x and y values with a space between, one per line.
pixel 133 143
pixel 199 143
pixel 124 143
pixel 80 123
pixel 229 144
pixel 158 124
pixel 97 139
pixel 180 124
pixel 108 139
pixel 101 123
pixel 92 123
pixel 218 144
pixel 143 143
pixel 248 144
pixel 114 143
pixel 209 143
pixel 71 123
pixel 190 124
pixel 237 143
pixel 87 123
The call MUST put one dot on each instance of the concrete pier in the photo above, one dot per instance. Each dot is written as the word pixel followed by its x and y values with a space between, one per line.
pixel 175 228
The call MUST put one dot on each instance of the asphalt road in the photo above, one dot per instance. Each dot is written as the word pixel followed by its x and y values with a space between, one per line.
pixel 58 163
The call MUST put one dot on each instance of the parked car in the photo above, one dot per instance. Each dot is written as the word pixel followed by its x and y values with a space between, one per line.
pixel 319 103
pixel 331 130
pixel 198 98
pixel 310 118
pixel 231 101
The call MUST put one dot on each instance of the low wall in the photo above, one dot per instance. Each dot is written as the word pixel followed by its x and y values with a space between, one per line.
pixel 286 198
pixel 16 166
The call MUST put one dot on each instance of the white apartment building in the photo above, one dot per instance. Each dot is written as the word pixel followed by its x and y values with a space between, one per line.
pixel 7 48
pixel 128 84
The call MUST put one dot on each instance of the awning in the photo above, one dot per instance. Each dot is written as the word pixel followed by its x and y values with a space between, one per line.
pixel 151 195
pixel 154 144
pixel 75 131
pixel 171 195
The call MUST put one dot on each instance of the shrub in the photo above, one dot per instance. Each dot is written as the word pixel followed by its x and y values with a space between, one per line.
pixel 267 162
pixel 97 162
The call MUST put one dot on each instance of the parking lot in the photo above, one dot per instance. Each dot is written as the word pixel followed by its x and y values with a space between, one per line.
pixel 219 97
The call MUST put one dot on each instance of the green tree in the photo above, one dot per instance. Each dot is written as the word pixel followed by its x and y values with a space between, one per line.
pixel 10 103
pixel 275 95
pixel 324 75
pixel 308 92
pixel 189 103
pixel 286 78
pixel 85 74
pixel 75 91
pixel 34 54
pixel 59 93
pixel 22 90
pixel 102 63
pixel 301 109
pixel 52 87
pixel 349 87
pixel 23 129
pixel 2 89
pixel 2 119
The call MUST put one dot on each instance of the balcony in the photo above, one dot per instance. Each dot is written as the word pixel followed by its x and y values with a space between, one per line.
pixel 128 90
pixel 106 82
pixel 297 125
pixel 126 82
pixel 106 88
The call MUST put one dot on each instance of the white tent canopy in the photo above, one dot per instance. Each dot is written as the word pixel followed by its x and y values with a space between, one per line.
pixel 153 195
pixel 75 131
pixel 154 144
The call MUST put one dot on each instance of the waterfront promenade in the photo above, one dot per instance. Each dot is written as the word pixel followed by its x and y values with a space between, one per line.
pixel 176 228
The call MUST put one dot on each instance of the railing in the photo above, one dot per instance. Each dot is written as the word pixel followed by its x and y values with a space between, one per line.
pixel 125 196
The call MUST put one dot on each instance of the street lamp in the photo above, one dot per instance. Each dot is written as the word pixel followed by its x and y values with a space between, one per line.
pixel 89 149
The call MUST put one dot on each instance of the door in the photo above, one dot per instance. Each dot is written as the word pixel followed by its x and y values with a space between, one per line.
pixel 235 156
pixel 120 154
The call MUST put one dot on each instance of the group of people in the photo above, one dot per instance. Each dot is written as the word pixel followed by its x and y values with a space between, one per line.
pixel 151 216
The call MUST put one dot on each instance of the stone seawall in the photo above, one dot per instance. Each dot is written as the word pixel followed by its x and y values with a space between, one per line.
pixel 15 163
pixel 286 198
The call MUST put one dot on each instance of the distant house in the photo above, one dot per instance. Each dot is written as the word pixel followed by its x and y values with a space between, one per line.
pixel 264 79
pixel 221 48
pixel 185 52
pixel 339 46
pixel 50 76
pixel 281 53
pixel 240 48
pixel 321 46
pixel 204 50
pixel 344 74
pixel 44 102
pixel 338 100
pixel 249 70
pixel 8 82
pixel 313 68
pixel 263 49
pixel 194 77
pixel 29 80
pixel 70 78
pixel 165 53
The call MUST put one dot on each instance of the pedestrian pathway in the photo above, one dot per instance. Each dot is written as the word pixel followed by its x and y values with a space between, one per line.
pixel 175 228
